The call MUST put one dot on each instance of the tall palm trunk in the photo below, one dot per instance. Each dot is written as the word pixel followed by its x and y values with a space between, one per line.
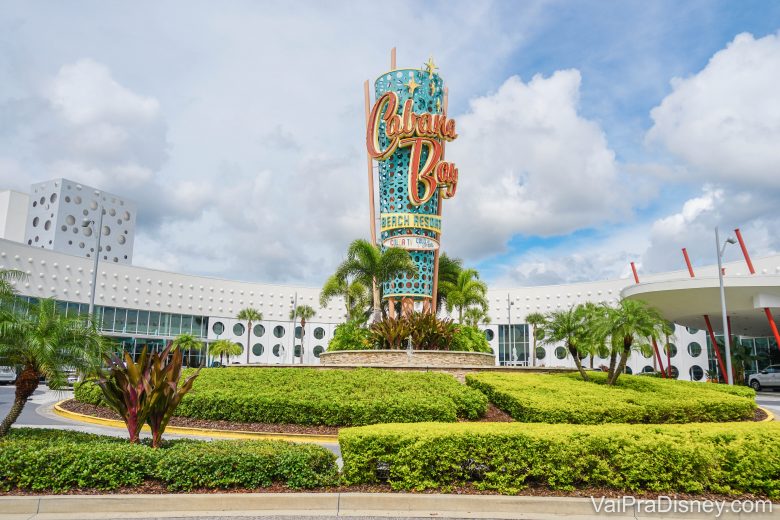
pixel 578 362
pixel 248 338
pixel 533 352
pixel 612 361
pixel 377 303
pixel 26 384
pixel 627 342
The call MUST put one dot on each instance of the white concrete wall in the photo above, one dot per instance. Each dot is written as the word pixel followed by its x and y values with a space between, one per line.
pixel 13 214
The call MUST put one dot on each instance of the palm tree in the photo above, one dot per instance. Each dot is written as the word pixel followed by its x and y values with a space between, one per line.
pixel 449 269
pixel 186 343
pixel 467 291
pixel 44 343
pixel 249 314
pixel 356 296
pixel 475 316
pixel 224 347
pixel 369 265
pixel 567 327
pixel 629 321
pixel 304 312
pixel 7 277
pixel 535 320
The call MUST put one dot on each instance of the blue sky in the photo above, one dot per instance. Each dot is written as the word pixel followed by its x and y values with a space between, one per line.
pixel 592 134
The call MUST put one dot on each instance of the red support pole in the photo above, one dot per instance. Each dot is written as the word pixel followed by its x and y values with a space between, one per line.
pixel 633 269
pixel 772 325
pixel 688 262
pixel 745 251
pixel 658 358
pixel 715 346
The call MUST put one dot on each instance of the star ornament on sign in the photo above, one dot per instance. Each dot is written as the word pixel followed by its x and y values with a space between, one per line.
pixel 431 66
pixel 412 86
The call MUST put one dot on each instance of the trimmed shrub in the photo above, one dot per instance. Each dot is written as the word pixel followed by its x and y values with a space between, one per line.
pixel 730 458
pixel 470 339
pixel 327 397
pixel 88 392
pixel 351 336
pixel 566 398
pixel 59 461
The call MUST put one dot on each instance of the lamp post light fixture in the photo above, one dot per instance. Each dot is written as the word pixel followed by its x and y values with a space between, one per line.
pixel 99 231
pixel 726 336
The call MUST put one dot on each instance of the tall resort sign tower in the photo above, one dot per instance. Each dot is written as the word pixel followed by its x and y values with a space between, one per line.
pixel 407 128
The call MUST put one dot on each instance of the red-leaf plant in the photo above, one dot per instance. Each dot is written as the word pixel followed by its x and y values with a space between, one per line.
pixel 147 391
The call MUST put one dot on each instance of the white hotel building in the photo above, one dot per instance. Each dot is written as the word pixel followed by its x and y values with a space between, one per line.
pixel 140 306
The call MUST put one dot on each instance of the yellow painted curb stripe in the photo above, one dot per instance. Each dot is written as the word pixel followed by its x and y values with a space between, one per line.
pixel 769 415
pixel 205 432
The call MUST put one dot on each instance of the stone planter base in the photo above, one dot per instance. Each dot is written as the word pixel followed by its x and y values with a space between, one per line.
pixel 397 358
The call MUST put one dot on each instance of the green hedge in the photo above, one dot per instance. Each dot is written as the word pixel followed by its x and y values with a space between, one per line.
pixel 322 397
pixel 59 461
pixel 352 335
pixel 566 398
pixel 88 392
pixel 729 458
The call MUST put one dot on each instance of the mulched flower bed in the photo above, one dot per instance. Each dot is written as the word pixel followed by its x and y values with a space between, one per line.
pixel 105 413
pixel 493 415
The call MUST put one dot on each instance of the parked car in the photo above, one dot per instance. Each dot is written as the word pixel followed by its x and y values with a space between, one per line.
pixel 766 378
pixel 7 375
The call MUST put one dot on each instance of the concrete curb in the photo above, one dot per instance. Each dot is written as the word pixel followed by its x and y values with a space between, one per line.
pixel 769 415
pixel 201 432
pixel 321 504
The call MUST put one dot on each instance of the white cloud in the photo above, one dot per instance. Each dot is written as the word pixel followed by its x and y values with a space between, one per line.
pixel 530 164
pixel 724 121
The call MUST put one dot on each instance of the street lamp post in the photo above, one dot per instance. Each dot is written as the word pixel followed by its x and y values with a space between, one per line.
pixel 726 339
pixel 85 224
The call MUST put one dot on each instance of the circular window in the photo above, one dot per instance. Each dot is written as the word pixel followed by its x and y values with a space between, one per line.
pixel 87 231
pixel 112 212
pixel 257 349
pixel 647 351
pixel 696 373
pixel 67 199
pixel 239 329
pixel 258 330
pixel 560 352
pixel 47 225
pixel 691 330
pixel 77 199
pixel 53 198
pixel 319 333
pixel 279 331
pixel 694 349
pixel 241 347
pixel 106 231
pixel 670 349
pixel 647 369
pixel 489 334
pixel 298 351
pixel 35 221
pixel 629 371
pixel 218 328
pixel 672 326
pixel 298 332
pixel 70 220
pixel 675 372
pixel 317 351
pixel 540 353
pixel 126 215
pixel 64 227
pixel 278 350
pixel 121 239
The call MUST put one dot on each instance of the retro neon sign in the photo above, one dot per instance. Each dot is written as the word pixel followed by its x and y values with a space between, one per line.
pixel 418 132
